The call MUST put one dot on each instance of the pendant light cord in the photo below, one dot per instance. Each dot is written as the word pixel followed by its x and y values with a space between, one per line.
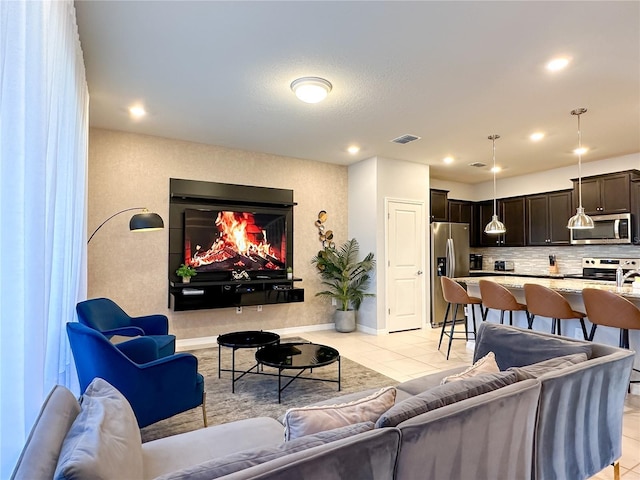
pixel 495 190
pixel 579 162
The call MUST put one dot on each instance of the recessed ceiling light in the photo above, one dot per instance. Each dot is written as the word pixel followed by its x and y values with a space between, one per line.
pixel 495 169
pixel 447 160
pixel 353 149
pixel 581 151
pixel 557 64
pixel 311 89
pixel 137 111
pixel 536 137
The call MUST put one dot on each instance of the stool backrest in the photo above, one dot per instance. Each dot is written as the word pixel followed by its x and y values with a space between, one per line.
pixel 610 310
pixel 453 292
pixel 545 302
pixel 496 296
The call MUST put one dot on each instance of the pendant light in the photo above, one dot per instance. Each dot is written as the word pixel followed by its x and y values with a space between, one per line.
pixel 495 226
pixel 580 220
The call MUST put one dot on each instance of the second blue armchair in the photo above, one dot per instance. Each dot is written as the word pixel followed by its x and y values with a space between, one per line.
pixel 107 317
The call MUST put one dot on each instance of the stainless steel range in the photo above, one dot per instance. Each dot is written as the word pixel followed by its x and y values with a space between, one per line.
pixel 605 268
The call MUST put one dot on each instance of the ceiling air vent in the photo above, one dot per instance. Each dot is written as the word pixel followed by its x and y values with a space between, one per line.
pixel 478 164
pixel 403 139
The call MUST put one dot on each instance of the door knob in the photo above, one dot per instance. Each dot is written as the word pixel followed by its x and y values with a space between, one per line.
pixel 419 272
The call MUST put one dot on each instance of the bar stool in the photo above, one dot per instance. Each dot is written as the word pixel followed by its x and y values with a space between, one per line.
pixel 611 310
pixel 455 294
pixel 548 303
pixel 498 297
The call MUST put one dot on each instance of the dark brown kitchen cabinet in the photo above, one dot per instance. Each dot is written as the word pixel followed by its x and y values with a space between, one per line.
pixel 510 212
pixel 439 210
pixel 635 212
pixel 604 194
pixel 512 215
pixel 546 218
pixel 484 212
pixel 460 211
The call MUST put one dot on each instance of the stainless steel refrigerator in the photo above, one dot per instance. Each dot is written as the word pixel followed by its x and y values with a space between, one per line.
pixel 449 257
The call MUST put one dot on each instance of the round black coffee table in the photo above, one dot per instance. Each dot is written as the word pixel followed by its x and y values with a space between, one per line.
pixel 248 339
pixel 298 356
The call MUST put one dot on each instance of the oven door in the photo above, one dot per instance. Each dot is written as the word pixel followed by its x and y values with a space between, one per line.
pixel 607 229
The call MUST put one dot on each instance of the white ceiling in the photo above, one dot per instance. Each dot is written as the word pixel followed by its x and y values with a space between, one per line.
pixel 450 72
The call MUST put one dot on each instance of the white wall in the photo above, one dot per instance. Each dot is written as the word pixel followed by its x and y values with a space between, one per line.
pixel 548 181
pixel 370 182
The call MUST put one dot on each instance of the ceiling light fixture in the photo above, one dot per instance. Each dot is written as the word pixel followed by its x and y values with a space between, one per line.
pixel 353 149
pixel 495 226
pixel 536 137
pixel 447 160
pixel 137 111
pixel 580 220
pixel 311 89
pixel 557 64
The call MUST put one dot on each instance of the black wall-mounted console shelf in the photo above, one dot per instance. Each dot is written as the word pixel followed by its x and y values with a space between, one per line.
pixel 218 290
pixel 202 295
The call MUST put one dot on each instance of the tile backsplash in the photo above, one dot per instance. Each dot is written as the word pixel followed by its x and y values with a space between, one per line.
pixel 535 260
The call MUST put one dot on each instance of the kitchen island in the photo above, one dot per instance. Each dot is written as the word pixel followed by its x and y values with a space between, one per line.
pixel 571 289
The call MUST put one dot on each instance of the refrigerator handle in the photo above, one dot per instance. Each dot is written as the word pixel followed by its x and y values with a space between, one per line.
pixel 450 258
pixel 452 252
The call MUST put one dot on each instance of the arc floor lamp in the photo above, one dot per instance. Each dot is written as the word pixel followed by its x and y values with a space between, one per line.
pixel 145 221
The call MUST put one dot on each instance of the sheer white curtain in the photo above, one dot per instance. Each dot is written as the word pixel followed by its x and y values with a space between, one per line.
pixel 43 162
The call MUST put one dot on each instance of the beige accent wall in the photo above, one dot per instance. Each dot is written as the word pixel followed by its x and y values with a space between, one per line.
pixel 131 170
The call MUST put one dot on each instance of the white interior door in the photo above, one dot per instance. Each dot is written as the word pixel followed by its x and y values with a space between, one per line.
pixel 405 265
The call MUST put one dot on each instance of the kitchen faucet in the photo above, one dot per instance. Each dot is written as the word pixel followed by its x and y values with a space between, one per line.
pixel 621 276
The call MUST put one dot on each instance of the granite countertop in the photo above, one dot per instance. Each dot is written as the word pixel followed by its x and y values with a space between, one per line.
pixel 564 285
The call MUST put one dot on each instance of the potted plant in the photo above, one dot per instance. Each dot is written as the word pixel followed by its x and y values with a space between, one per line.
pixel 186 272
pixel 289 273
pixel 346 279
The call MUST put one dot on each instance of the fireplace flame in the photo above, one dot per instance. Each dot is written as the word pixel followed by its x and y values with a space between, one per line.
pixel 240 241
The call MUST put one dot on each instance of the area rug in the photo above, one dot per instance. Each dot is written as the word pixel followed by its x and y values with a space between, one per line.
pixel 257 395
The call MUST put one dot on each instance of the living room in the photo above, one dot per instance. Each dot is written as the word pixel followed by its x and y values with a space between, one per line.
pixel 128 166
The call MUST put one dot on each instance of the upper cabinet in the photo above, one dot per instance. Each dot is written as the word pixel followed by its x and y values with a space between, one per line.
pixel 603 194
pixel 510 212
pixel 439 207
pixel 546 218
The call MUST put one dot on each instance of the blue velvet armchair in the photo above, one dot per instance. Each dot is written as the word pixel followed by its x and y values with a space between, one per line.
pixel 107 317
pixel 157 388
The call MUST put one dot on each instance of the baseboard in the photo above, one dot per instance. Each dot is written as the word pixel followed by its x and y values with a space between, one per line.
pixel 372 331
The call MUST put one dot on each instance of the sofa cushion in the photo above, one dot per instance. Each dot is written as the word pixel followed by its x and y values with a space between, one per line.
pixel 239 461
pixel 307 420
pixel 486 364
pixel 444 395
pixel 515 347
pixel 104 440
pixel 540 368
pixel 425 382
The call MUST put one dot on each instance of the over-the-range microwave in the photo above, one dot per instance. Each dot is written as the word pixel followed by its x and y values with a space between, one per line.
pixel 607 229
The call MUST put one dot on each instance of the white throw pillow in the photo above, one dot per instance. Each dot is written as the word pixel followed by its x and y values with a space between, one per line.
pixel 308 420
pixel 486 364
pixel 104 441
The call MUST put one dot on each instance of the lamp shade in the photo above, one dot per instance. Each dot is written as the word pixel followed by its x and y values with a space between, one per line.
pixel 580 220
pixel 495 226
pixel 145 221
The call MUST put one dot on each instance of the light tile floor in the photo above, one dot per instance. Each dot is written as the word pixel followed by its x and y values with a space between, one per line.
pixel 406 355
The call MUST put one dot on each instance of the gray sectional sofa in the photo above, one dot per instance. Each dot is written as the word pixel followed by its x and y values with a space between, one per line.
pixel 558 421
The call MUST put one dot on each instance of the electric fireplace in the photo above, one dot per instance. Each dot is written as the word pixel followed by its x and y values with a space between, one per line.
pixel 223 240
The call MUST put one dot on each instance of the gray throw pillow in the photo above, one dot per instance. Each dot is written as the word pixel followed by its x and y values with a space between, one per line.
pixel 540 368
pixel 515 347
pixel 104 440
pixel 445 394
pixel 220 467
